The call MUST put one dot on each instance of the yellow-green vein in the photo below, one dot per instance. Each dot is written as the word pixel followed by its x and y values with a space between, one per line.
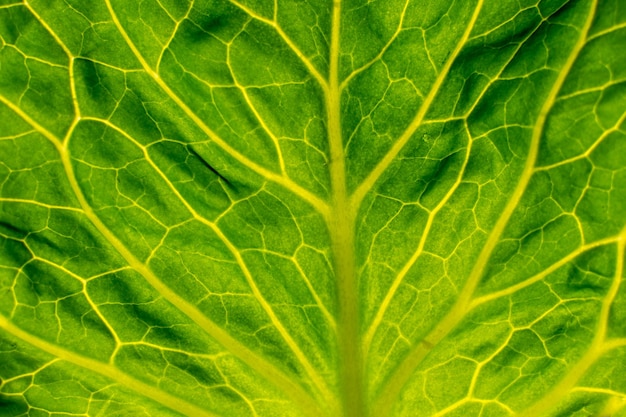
pixel 390 156
pixel 378 318
pixel 274 24
pixel 384 49
pixel 594 352
pixel 108 371
pixel 252 359
pixel 317 380
pixel 284 181
pixel 341 227
pixel 404 371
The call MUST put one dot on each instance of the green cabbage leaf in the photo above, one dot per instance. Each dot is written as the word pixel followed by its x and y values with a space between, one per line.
pixel 312 208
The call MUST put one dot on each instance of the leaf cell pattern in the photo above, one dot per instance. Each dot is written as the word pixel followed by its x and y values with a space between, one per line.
pixel 312 208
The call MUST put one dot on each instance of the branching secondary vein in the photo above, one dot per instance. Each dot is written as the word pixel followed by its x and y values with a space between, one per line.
pixel 461 306
pixel 320 205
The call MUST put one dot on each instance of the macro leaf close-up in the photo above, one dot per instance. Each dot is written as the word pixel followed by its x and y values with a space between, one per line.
pixel 312 208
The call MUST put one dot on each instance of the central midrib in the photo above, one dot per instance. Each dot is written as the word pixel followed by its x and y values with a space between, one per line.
pixel 341 225
pixel 341 228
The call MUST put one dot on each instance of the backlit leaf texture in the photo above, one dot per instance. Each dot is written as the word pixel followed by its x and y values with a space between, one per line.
pixel 314 208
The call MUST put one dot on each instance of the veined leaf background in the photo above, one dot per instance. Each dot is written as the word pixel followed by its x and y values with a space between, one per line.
pixel 312 208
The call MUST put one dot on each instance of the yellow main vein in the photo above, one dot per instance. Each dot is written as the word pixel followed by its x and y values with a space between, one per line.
pixel 342 230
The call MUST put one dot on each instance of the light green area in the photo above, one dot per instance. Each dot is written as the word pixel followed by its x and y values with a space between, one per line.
pixel 255 208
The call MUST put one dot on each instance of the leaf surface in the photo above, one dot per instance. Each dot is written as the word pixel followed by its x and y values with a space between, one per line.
pixel 312 208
